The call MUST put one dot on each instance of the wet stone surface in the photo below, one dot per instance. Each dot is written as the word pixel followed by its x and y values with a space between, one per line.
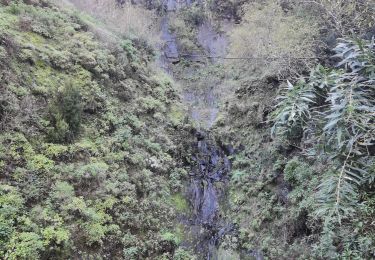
pixel 209 178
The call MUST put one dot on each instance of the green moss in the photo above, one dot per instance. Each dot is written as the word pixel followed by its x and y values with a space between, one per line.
pixel 20 91
pixel 150 105
pixel 54 150
pixel 34 39
pixel 40 162
pixel 7 20
pixel 175 237
pixel 180 203
pixel 46 79
pixel 177 114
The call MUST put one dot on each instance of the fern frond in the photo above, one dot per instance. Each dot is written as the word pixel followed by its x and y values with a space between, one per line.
pixel 356 55
pixel 338 194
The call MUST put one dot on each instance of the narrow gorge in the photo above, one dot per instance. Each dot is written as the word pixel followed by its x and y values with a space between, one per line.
pixel 209 174
pixel 187 129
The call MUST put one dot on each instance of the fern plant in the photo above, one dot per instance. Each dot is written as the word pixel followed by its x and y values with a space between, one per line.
pixel 341 102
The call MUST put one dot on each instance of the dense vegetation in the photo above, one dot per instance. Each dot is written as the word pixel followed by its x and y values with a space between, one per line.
pixel 87 145
pixel 333 112
pixel 95 143
pixel 302 179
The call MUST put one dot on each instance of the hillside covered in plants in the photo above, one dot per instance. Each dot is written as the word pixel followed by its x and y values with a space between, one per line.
pixel 238 129
pixel 89 151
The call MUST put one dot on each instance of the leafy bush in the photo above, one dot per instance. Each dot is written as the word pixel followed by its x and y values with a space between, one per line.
pixel 171 237
pixel 128 47
pixel 56 236
pixel 62 191
pixel 345 17
pixel 65 115
pixel 182 254
pixel 150 105
pixel 293 110
pixel 338 119
pixel 14 9
pixel 297 172
pixel 194 15
pixel 25 245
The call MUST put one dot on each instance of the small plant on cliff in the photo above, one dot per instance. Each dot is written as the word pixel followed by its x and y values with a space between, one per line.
pixel 65 114
pixel 293 110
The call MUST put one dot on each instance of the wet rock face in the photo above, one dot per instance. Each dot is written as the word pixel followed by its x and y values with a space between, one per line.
pixel 170 49
pixel 209 176
pixel 214 43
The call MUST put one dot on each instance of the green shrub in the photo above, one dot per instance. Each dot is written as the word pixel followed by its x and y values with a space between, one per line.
pixel 171 237
pixel 130 252
pixel 293 110
pixel 65 114
pixel 95 170
pixel 176 179
pixel 95 233
pixel 64 196
pixel 61 59
pixel 60 132
pixel 54 151
pixel 16 146
pixel 14 8
pixel 62 191
pixel 194 15
pixel 131 51
pixel 25 245
pixel 12 205
pixel 150 105
pixel 297 172
pixel 56 236
pixel 40 162
pixel 344 128
pixel 183 254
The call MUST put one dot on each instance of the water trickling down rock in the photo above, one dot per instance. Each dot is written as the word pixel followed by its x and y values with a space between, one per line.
pixel 210 168
pixel 209 176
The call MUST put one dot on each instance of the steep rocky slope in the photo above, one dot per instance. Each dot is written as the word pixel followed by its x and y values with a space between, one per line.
pixel 89 152
pixel 187 129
